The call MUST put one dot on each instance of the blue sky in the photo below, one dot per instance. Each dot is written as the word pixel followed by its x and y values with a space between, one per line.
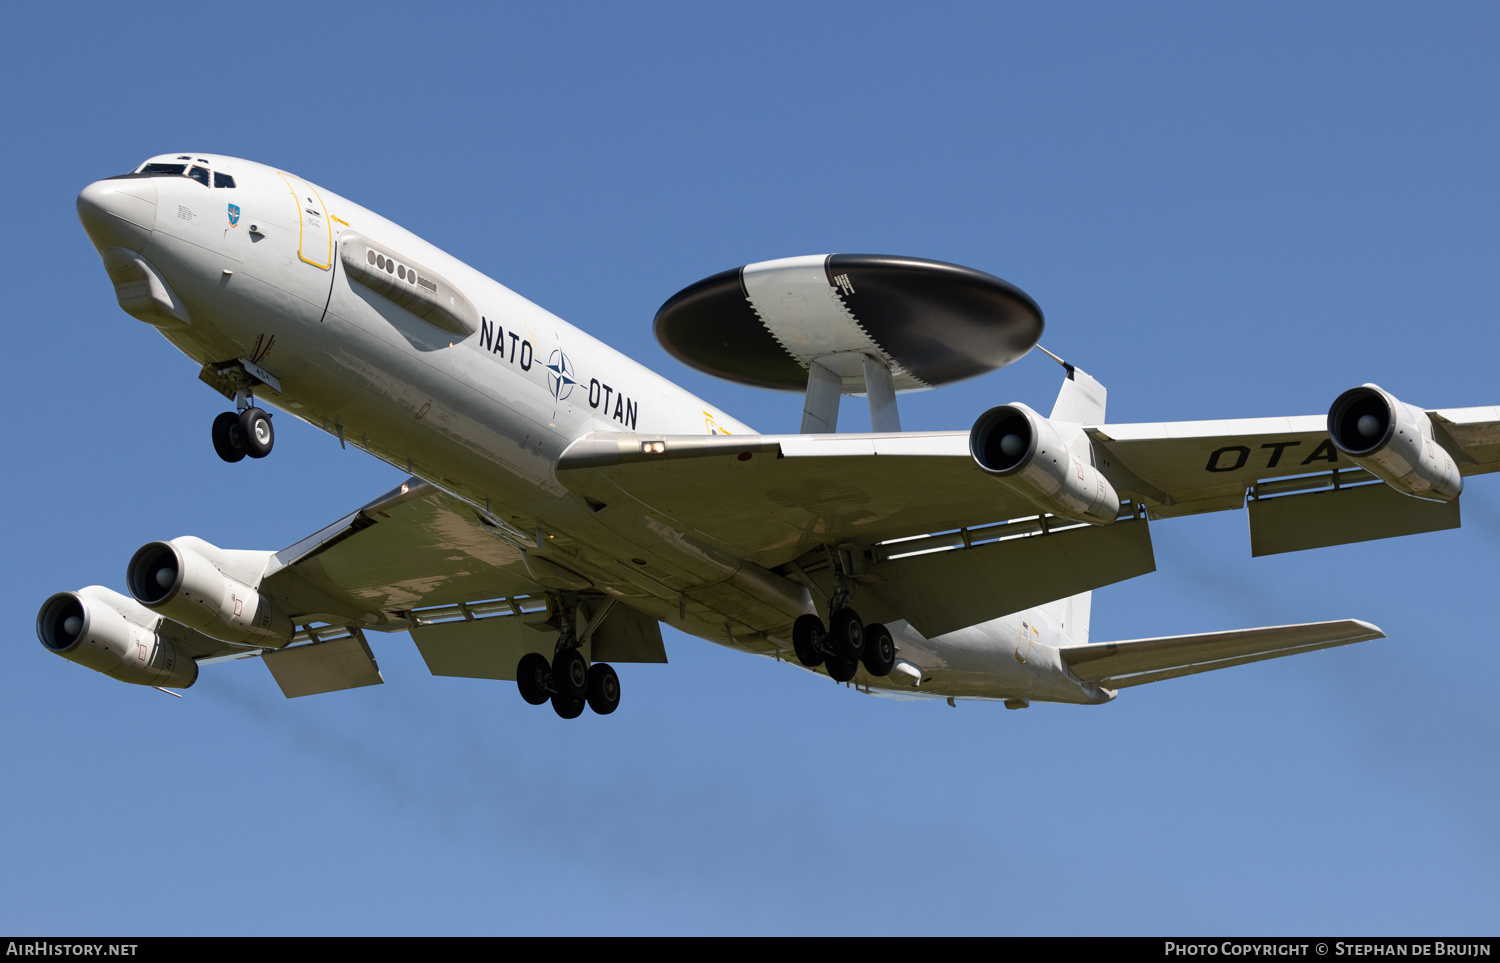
pixel 1223 210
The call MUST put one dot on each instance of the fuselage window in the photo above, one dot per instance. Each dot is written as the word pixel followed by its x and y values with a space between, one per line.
pixel 223 180
pixel 199 174
pixel 162 170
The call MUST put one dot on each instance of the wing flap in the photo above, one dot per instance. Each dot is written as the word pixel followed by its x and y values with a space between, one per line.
pixel 1117 665
pixel 1338 516
pixel 480 649
pixel 303 670
pixel 939 592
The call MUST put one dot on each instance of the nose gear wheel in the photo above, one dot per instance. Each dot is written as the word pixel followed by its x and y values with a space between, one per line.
pixel 246 433
pixel 255 430
pixel 228 441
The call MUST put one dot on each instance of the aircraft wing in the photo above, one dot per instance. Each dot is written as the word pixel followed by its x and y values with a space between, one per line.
pixel 1188 467
pixel 1116 665
pixel 771 498
pixel 417 558
pixel 1476 434
pixel 414 546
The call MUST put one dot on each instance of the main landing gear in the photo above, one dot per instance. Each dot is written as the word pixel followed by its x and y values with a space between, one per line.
pixel 246 431
pixel 845 644
pixel 847 641
pixel 568 681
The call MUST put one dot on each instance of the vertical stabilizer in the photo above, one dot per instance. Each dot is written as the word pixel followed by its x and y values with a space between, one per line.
pixel 1072 616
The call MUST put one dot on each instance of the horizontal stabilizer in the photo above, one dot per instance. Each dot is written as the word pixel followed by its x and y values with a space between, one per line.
pixel 1116 665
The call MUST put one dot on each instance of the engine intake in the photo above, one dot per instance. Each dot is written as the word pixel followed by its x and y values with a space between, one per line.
pixel 1025 451
pixel 1395 442
pixel 186 587
pixel 92 628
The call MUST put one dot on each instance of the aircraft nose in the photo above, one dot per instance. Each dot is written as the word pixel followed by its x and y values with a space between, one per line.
pixel 119 212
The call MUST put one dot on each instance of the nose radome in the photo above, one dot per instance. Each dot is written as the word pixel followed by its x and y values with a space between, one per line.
pixel 119 212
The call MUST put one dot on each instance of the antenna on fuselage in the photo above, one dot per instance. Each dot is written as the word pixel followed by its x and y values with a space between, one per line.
pixel 1067 367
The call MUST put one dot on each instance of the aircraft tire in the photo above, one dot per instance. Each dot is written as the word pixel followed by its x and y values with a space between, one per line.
pixel 841 671
pixel 880 650
pixel 569 707
pixel 807 640
pixel 604 689
pixel 570 675
pixel 846 636
pixel 226 437
pixel 534 678
pixel 256 434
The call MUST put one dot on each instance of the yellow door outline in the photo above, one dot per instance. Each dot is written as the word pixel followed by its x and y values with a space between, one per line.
pixel 309 245
pixel 1026 636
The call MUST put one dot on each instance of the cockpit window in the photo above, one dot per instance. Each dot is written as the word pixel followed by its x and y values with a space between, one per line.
pixel 162 170
pixel 223 180
pixel 199 174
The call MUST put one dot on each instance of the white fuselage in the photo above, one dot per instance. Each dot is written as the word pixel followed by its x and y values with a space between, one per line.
pixel 484 416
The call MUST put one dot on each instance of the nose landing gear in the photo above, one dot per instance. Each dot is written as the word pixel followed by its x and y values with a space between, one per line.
pixel 245 432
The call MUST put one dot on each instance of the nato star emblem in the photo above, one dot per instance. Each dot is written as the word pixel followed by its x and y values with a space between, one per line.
pixel 560 375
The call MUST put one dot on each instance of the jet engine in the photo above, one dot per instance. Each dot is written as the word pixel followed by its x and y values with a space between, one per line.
pixel 95 628
pixel 1025 451
pixel 186 587
pixel 1394 441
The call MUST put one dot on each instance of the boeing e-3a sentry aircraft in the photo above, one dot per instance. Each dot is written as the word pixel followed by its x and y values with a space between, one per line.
pixel 564 501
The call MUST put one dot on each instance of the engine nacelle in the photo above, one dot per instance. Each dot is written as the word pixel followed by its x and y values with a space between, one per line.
pixel 1024 450
pixel 181 584
pixel 103 630
pixel 1394 441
